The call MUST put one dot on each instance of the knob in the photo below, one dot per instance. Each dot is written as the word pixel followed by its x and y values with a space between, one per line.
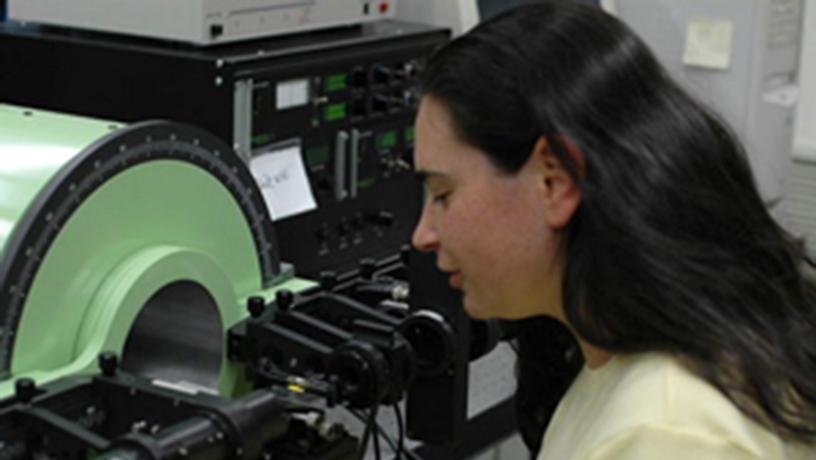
pixel 410 69
pixel 380 103
pixel 382 74
pixel 405 254
pixel 383 218
pixel 256 306
pixel 367 267
pixel 328 279
pixel 401 99
pixel 410 98
pixel 216 30
pixel 284 299
pixel 108 363
pixel 25 389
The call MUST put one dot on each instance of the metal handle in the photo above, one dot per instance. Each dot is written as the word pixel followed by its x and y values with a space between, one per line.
pixel 340 153
pixel 354 167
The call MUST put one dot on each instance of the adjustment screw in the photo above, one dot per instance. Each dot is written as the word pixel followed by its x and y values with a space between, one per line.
pixel 367 267
pixel 256 306
pixel 108 363
pixel 284 299
pixel 328 279
pixel 25 389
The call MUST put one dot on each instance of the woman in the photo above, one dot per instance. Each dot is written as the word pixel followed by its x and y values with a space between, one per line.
pixel 569 177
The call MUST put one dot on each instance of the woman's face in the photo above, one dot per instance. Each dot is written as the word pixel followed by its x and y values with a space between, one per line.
pixel 495 233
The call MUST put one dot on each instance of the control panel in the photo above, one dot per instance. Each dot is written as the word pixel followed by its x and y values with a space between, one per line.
pixel 354 122
pixel 359 120
pixel 345 97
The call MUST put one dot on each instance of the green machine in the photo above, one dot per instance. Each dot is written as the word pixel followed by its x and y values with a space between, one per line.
pixel 142 239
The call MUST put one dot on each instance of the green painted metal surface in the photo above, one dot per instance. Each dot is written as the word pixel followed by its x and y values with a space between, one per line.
pixel 166 203
pixel 34 145
pixel 151 225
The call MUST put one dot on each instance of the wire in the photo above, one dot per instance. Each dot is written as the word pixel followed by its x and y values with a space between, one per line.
pixel 514 345
pixel 377 453
pixel 400 432
pixel 386 436
pixel 388 439
pixel 366 434
pixel 371 423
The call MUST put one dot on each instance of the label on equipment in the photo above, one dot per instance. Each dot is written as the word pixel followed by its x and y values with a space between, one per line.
pixel 282 178
pixel 292 93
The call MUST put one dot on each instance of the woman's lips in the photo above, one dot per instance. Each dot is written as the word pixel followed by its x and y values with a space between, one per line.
pixel 455 280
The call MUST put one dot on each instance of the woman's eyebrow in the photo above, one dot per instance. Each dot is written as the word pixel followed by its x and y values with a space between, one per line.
pixel 425 175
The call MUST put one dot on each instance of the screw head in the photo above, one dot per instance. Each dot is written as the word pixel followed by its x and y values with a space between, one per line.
pixel 25 389
pixel 284 299
pixel 405 254
pixel 367 267
pixel 108 363
pixel 256 306
pixel 328 279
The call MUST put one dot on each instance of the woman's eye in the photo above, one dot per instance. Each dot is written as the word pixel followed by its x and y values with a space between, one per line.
pixel 441 198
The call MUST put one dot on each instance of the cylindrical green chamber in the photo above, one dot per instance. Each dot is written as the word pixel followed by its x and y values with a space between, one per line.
pixel 144 240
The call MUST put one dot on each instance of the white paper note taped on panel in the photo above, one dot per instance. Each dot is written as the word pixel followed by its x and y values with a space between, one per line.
pixel 282 178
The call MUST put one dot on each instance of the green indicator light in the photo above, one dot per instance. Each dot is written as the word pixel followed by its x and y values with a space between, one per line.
pixel 335 112
pixel 409 134
pixel 261 139
pixel 366 183
pixel 317 155
pixel 336 82
pixel 386 140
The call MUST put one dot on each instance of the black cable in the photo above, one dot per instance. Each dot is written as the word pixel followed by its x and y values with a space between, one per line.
pixel 514 345
pixel 377 453
pixel 369 424
pixel 400 432
pixel 388 439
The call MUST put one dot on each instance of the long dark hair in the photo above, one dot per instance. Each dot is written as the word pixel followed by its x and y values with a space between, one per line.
pixel 671 248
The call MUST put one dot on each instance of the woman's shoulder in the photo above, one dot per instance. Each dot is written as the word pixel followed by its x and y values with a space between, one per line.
pixel 657 387
pixel 654 398
pixel 659 390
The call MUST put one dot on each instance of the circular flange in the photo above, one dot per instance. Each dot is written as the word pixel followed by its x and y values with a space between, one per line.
pixel 27 250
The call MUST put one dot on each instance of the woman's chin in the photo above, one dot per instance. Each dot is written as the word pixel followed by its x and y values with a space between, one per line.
pixel 474 311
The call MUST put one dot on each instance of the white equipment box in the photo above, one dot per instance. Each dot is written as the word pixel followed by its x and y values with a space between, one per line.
pixel 201 22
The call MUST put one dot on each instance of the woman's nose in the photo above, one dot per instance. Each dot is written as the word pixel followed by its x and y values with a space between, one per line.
pixel 425 238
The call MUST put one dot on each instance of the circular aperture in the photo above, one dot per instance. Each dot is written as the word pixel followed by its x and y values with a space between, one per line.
pixel 432 340
pixel 177 337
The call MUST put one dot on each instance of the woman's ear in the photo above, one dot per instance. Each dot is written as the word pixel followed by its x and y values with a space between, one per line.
pixel 559 192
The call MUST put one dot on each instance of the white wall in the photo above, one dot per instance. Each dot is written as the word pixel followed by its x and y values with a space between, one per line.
pixel 805 138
